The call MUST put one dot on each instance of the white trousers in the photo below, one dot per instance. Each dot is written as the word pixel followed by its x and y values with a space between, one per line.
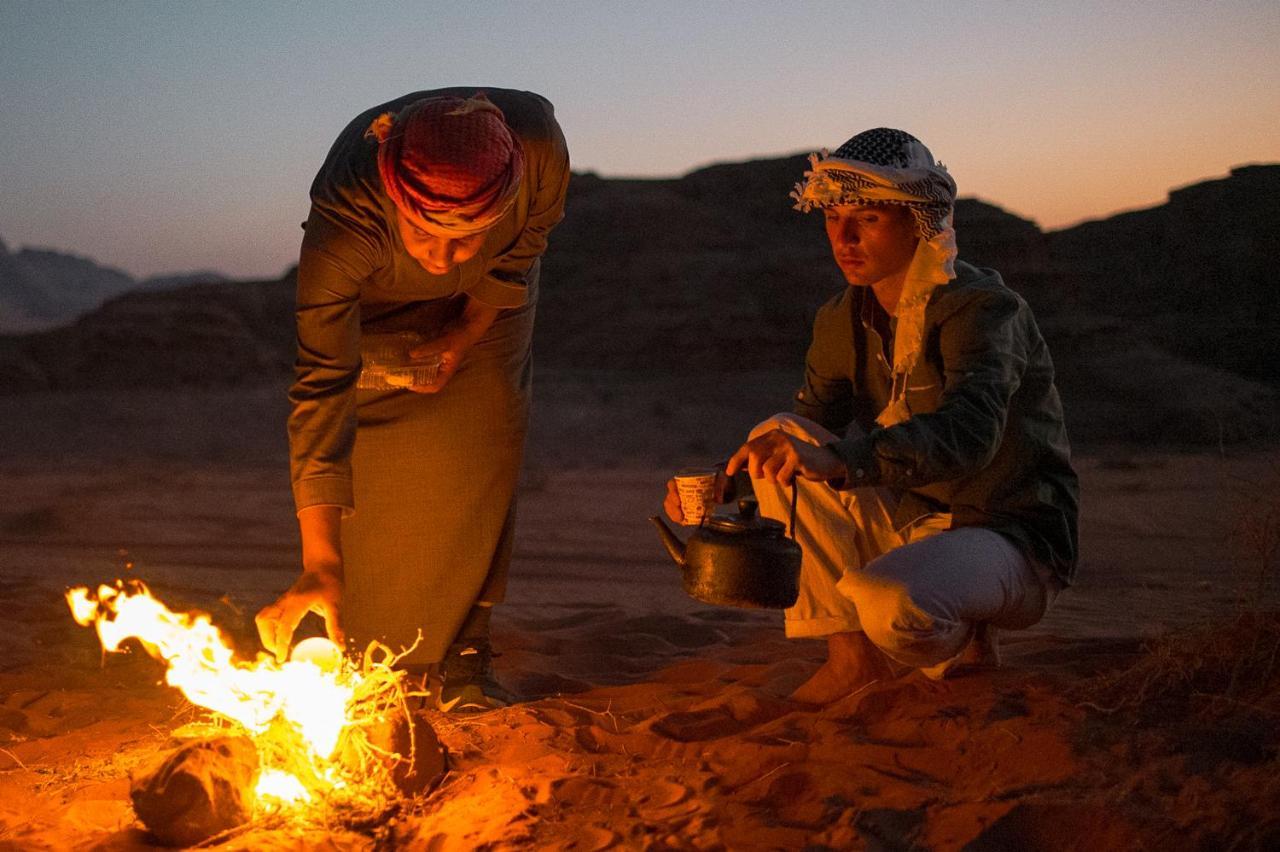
pixel 918 593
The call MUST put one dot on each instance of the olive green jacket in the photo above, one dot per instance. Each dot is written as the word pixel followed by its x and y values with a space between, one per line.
pixel 985 441
pixel 354 271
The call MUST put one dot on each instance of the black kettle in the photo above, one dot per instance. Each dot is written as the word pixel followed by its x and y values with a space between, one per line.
pixel 742 560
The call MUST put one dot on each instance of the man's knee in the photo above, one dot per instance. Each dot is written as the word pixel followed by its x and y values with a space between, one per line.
pixel 792 424
pixel 885 609
pixel 901 621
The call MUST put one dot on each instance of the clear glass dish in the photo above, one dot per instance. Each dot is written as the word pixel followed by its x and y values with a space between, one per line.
pixel 386 364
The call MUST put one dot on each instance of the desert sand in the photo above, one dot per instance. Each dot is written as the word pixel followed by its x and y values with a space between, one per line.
pixel 649 720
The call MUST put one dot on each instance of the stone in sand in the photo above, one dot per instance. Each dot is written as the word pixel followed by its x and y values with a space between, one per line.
pixel 409 748
pixel 203 788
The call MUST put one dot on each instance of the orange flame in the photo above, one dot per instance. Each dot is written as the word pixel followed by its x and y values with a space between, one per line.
pixel 308 698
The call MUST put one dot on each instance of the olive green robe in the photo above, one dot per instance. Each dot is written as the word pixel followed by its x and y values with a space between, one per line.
pixel 426 482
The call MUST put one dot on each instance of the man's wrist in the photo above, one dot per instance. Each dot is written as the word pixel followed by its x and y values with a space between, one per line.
pixel 833 466
pixel 326 568
pixel 857 457
pixel 476 319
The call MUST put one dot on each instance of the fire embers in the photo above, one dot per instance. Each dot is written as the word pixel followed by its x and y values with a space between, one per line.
pixel 204 788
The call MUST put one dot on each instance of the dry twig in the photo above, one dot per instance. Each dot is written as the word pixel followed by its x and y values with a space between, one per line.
pixel 13 757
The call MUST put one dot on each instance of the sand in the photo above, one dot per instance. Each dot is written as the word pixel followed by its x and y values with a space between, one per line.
pixel 649 720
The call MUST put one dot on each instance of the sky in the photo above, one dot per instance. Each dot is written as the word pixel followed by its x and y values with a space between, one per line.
pixel 161 137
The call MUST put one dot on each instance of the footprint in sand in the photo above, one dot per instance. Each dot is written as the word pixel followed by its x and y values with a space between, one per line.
pixel 581 791
pixel 591 839
pixel 663 795
pixel 723 716
pixel 680 632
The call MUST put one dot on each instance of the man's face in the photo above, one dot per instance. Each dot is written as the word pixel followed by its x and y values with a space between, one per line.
pixel 871 242
pixel 436 250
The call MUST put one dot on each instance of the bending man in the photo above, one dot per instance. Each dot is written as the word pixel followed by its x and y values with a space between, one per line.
pixel 429 216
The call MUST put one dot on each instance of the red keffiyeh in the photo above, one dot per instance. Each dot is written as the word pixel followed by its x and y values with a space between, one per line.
pixel 451 163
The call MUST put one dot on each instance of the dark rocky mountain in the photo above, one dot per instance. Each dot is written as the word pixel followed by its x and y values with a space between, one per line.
pixel 1196 275
pixel 202 335
pixel 182 279
pixel 22 302
pixel 712 271
pixel 1160 320
pixel 41 289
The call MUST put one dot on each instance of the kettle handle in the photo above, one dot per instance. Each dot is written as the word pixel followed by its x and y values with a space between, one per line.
pixel 795 496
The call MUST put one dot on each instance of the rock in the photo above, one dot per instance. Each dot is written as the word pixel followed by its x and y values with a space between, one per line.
pixel 203 788
pixel 417 761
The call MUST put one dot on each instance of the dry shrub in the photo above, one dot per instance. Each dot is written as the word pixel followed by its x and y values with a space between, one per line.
pixel 1221 669
pixel 1211 671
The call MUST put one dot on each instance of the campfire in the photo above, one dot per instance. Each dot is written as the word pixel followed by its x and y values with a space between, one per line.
pixel 309 738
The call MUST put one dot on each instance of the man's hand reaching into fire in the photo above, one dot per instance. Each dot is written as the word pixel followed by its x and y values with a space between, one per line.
pixel 780 457
pixel 318 591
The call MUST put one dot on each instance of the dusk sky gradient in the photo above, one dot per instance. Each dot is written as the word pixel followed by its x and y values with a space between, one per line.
pixel 168 136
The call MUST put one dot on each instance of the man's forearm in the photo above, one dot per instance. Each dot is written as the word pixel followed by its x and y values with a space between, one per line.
pixel 321 530
pixel 476 318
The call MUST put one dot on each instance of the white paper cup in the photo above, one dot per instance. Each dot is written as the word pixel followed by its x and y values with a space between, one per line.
pixel 697 490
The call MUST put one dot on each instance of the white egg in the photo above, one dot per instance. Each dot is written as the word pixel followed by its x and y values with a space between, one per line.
pixel 318 651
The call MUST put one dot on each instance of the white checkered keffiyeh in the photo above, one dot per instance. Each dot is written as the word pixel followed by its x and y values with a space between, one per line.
pixel 887 166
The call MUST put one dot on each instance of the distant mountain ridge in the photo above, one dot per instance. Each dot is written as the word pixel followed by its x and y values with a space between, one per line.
pixel 1197 274
pixel 42 288
pixel 1162 322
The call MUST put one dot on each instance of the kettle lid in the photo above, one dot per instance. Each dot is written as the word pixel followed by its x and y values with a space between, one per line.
pixel 747 520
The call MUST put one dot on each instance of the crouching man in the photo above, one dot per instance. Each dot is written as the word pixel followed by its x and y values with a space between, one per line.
pixel 937 500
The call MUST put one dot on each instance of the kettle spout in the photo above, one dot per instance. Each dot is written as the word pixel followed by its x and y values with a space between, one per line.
pixel 669 540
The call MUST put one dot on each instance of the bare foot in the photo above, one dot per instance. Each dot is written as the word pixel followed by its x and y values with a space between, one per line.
pixel 852 663
pixel 982 652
